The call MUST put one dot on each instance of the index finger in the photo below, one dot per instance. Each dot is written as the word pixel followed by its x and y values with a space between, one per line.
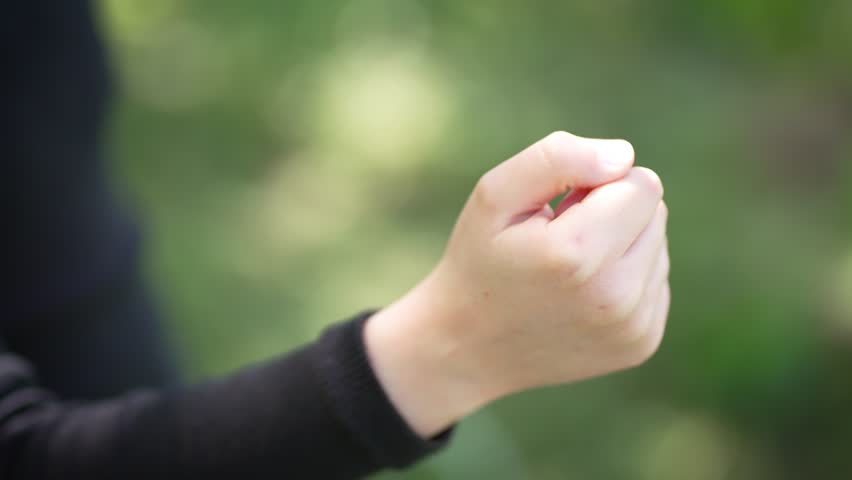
pixel 604 225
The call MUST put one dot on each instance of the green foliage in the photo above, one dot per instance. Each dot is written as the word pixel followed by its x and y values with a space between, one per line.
pixel 280 150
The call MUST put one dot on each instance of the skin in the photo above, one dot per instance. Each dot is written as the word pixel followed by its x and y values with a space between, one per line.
pixel 526 296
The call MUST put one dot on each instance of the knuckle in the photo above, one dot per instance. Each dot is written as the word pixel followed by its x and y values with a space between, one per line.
pixel 561 145
pixel 569 263
pixel 648 347
pixel 664 210
pixel 558 141
pixel 564 262
pixel 638 358
pixel 634 330
pixel 649 180
pixel 620 298
pixel 583 273
pixel 484 193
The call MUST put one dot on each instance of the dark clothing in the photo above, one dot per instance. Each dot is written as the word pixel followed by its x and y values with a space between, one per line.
pixel 96 347
pixel 77 316
pixel 317 412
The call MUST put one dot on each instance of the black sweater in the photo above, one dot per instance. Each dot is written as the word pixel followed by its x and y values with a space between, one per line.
pixel 317 412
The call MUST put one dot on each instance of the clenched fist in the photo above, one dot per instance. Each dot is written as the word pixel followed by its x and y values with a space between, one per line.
pixel 526 296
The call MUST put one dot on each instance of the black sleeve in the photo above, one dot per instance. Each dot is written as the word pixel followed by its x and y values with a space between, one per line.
pixel 318 412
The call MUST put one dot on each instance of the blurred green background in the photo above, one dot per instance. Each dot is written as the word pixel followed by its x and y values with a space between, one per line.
pixel 296 162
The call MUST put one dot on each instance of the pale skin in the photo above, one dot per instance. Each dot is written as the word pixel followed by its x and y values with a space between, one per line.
pixel 526 296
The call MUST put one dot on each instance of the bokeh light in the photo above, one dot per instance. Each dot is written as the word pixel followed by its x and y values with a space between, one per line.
pixel 296 162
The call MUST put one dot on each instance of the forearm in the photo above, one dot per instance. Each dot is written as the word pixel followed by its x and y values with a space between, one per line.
pixel 304 412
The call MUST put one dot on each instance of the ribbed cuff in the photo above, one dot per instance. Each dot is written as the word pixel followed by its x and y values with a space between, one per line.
pixel 360 402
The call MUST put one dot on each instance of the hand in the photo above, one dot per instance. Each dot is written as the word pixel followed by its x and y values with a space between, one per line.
pixel 525 296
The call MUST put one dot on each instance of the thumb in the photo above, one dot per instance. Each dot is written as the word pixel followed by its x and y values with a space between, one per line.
pixel 549 167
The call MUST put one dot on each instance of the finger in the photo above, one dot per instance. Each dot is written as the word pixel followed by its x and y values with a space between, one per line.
pixel 640 322
pixel 548 168
pixel 657 297
pixel 650 343
pixel 574 197
pixel 641 258
pixel 602 227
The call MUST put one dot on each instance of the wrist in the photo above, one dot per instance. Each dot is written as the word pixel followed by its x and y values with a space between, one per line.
pixel 420 362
